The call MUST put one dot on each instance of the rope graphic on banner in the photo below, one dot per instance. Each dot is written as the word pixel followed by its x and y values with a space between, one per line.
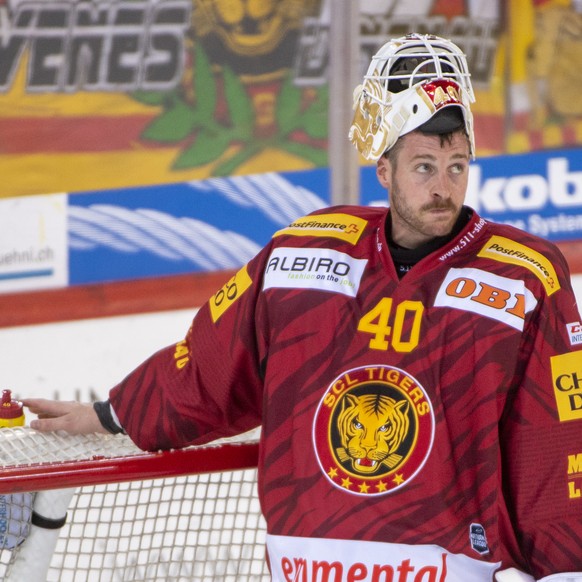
pixel 130 231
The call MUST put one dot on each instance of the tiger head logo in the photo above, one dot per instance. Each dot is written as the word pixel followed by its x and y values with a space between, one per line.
pixel 372 427
pixel 373 430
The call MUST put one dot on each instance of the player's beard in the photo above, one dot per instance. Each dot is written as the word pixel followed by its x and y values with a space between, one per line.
pixel 422 221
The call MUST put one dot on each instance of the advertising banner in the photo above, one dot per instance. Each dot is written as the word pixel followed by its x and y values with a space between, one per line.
pixel 185 132
pixel 221 223
pixel 122 93
pixel 539 192
pixel 33 242
pixel 113 94
pixel 208 225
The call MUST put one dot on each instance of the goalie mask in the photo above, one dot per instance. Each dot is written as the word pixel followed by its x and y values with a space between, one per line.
pixel 417 81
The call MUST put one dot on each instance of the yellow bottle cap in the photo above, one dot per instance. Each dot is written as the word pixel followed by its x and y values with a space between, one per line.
pixel 11 411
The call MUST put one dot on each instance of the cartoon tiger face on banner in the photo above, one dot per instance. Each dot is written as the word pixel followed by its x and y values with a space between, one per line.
pixel 239 31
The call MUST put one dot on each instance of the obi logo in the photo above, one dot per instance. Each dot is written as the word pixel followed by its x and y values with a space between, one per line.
pixel 373 430
pixel 506 300
pixel 567 379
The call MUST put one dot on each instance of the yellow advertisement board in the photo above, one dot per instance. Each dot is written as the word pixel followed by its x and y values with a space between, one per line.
pixel 114 94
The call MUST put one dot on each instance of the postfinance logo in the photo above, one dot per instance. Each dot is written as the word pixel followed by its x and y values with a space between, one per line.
pixel 335 225
pixel 506 250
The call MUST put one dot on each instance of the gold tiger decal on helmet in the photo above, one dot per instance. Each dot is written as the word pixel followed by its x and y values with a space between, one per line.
pixel 370 131
pixel 372 427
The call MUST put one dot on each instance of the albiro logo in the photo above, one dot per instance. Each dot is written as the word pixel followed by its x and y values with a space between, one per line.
pixel 322 269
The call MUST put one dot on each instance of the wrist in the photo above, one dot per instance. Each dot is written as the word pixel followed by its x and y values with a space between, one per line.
pixel 107 417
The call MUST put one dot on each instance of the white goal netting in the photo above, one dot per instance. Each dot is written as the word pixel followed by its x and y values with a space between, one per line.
pixel 194 527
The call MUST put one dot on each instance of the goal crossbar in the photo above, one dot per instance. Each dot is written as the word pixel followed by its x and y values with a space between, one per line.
pixel 100 470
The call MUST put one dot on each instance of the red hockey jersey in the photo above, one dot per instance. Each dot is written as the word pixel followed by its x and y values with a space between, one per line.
pixel 421 429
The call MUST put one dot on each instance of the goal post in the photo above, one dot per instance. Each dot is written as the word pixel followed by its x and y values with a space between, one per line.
pixel 190 514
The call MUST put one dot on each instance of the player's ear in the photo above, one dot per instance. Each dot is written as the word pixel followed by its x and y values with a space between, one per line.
pixel 384 172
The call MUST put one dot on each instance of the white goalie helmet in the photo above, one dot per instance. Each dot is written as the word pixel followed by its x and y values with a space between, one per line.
pixel 409 81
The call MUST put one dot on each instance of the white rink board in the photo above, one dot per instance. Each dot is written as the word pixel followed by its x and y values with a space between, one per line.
pixel 73 360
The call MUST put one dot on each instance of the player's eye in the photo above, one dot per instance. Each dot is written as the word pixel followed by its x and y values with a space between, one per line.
pixel 457 168
pixel 424 168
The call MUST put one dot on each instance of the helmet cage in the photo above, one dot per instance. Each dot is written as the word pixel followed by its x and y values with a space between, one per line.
pixel 408 81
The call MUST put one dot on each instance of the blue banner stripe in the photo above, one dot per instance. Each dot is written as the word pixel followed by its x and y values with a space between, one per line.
pixel 26 274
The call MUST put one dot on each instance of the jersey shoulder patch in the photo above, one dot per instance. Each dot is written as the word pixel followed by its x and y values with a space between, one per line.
pixel 506 250
pixel 229 293
pixel 346 227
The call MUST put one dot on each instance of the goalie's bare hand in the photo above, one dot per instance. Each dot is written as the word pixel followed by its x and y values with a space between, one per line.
pixel 72 417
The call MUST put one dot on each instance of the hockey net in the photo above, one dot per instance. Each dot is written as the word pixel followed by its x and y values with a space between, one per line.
pixel 190 514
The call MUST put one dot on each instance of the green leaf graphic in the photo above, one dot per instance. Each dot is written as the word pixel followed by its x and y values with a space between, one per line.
pixel 204 85
pixel 240 106
pixel 209 137
pixel 288 108
pixel 173 125
pixel 207 147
